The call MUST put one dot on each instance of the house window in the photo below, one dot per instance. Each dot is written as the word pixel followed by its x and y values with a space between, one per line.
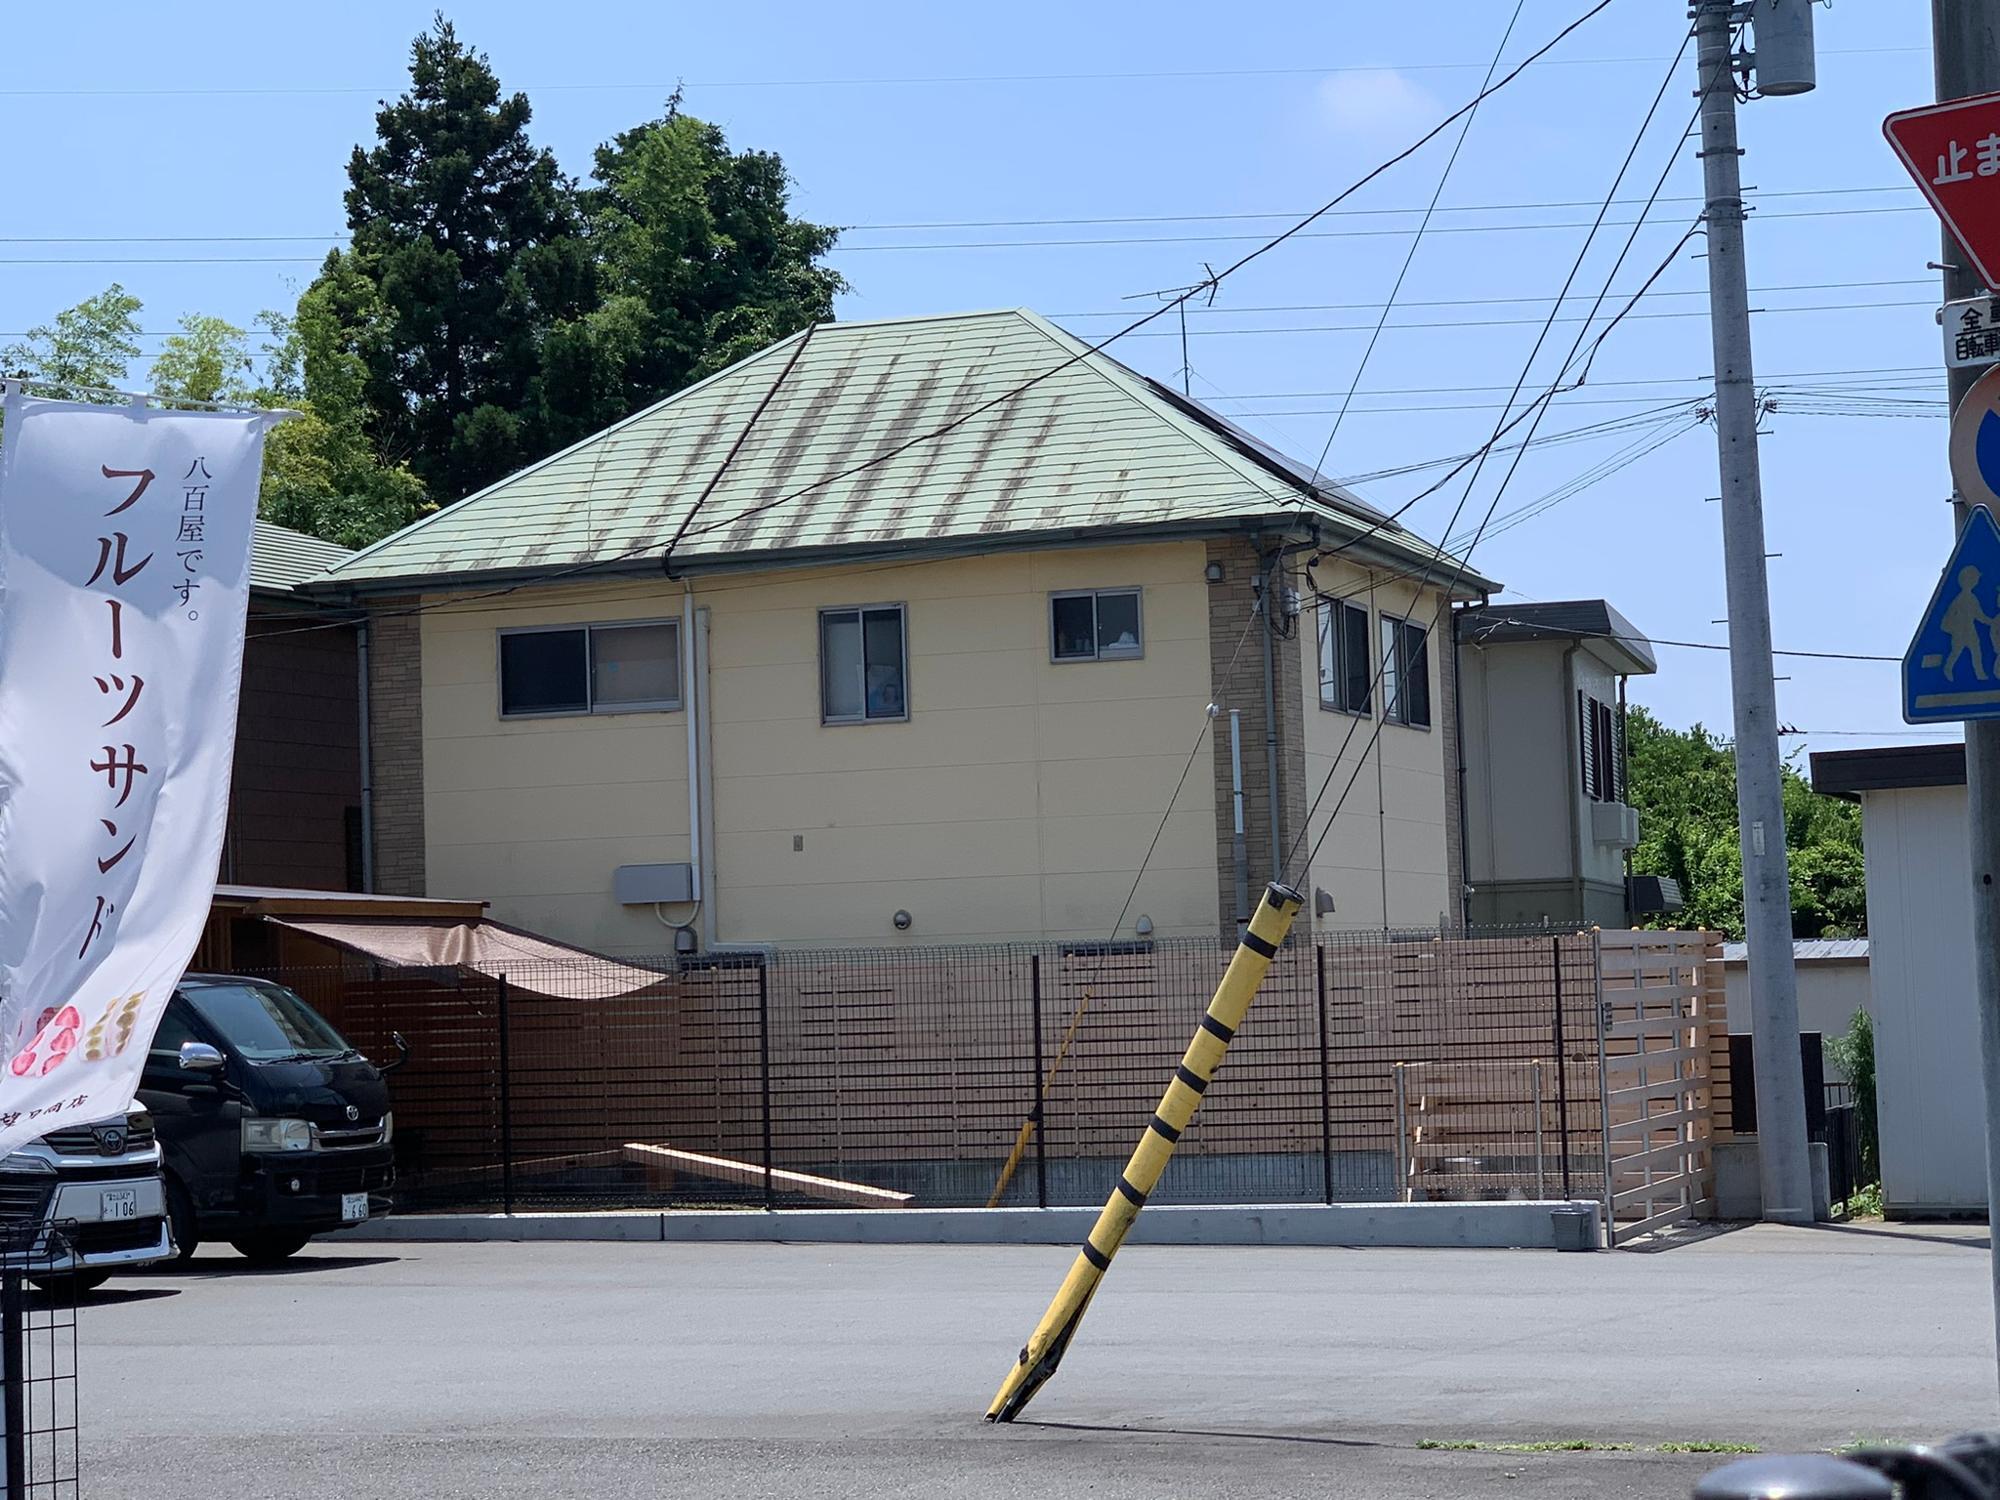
pixel 863 665
pixel 1095 625
pixel 1601 742
pixel 590 669
pixel 1346 676
pixel 1406 673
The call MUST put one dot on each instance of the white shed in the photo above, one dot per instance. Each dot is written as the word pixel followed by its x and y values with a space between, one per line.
pixel 1833 985
pixel 1927 1077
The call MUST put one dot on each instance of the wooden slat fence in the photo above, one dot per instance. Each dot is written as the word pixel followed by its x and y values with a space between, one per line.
pixel 1373 1066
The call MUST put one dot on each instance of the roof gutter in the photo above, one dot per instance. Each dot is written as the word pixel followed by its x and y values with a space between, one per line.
pixel 647 564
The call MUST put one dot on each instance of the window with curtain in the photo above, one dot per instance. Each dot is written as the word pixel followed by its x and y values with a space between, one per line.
pixel 1094 625
pixel 863 665
pixel 591 669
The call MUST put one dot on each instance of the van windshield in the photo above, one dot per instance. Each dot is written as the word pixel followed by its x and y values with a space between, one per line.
pixel 266 1022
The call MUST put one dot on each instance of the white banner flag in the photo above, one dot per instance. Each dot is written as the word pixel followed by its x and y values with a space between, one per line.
pixel 124 580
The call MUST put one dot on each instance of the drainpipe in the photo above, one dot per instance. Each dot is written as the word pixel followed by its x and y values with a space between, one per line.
pixel 367 763
pixel 1625 785
pixel 1238 841
pixel 1464 901
pixel 688 712
pixel 1271 719
pixel 1572 781
pixel 694 707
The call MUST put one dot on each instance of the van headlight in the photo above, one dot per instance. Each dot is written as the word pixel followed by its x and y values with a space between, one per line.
pixel 277 1135
pixel 388 1126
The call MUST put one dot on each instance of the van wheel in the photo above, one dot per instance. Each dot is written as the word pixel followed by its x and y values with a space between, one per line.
pixel 268 1247
pixel 70 1283
pixel 181 1220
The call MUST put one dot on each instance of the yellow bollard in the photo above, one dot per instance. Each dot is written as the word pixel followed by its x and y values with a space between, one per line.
pixel 1046 1345
pixel 1034 1121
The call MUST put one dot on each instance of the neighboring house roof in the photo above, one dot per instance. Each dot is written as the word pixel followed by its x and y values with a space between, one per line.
pixel 1563 620
pixel 1848 773
pixel 1088 449
pixel 1809 951
pixel 281 558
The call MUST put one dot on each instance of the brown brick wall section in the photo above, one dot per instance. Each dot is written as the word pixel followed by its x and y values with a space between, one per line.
pixel 396 736
pixel 1236 671
pixel 297 777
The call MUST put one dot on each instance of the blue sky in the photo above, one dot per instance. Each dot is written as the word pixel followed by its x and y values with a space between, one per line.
pixel 1180 134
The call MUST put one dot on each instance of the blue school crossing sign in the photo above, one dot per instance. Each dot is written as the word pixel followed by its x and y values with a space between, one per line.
pixel 1952 669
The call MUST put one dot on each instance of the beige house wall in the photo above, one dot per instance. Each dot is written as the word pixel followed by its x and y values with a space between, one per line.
pixel 1017 801
pixel 533 814
pixel 1387 859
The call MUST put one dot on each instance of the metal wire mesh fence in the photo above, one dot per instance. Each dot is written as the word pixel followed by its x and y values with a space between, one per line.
pixel 39 1457
pixel 1374 1066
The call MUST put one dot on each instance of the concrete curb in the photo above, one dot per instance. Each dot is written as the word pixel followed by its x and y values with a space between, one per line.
pixel 1488 1226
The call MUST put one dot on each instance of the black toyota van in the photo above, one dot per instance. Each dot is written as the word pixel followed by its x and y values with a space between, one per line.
pixel 272 1128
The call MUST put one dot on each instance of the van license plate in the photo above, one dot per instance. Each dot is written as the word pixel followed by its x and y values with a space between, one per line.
pixel 353 1207
pixel 118 1203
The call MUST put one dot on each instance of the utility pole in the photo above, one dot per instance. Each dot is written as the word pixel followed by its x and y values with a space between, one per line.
pixel 1965 41
pixel 1784 1165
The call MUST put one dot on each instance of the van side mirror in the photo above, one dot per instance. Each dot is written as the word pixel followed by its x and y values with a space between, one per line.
pixel 199 1057
pixel 402 1054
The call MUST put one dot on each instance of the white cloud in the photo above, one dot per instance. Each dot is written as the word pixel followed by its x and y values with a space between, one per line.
pixel 1376 101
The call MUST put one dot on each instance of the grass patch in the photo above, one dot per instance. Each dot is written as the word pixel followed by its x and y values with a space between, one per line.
pixel 1583 1445
pixel 1866 1204
pixel 1550 1445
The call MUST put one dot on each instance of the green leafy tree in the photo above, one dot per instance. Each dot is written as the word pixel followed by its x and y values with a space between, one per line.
pixel 322 471
pixel 467 233
pixel 1684 784
pixel 512 314
pixel 208 359
pixel 86 348
pixel 701 263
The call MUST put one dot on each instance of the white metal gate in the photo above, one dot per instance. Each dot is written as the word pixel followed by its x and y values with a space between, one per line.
pixel 1660 1005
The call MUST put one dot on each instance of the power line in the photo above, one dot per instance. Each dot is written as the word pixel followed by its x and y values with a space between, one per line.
pixel 1296 328
pixel 1203 310
pixel 1215 280
pixel 338 235
pixel 600 564
pixel 665 87
pixel 1653 640
pixel 1337 234
pixel 1298 307
pixel 1346 213
pixel 1409 258
pixel 1072 243
pixel 1539 408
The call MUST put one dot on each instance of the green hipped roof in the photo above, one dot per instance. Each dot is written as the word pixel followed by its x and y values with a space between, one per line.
pixel 1091 448
pixel 281 558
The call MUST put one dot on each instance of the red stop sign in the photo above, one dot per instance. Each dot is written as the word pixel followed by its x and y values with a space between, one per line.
pixel 1953 151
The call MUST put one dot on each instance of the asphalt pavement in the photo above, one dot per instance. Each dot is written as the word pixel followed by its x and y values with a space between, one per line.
pixel 614 1370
